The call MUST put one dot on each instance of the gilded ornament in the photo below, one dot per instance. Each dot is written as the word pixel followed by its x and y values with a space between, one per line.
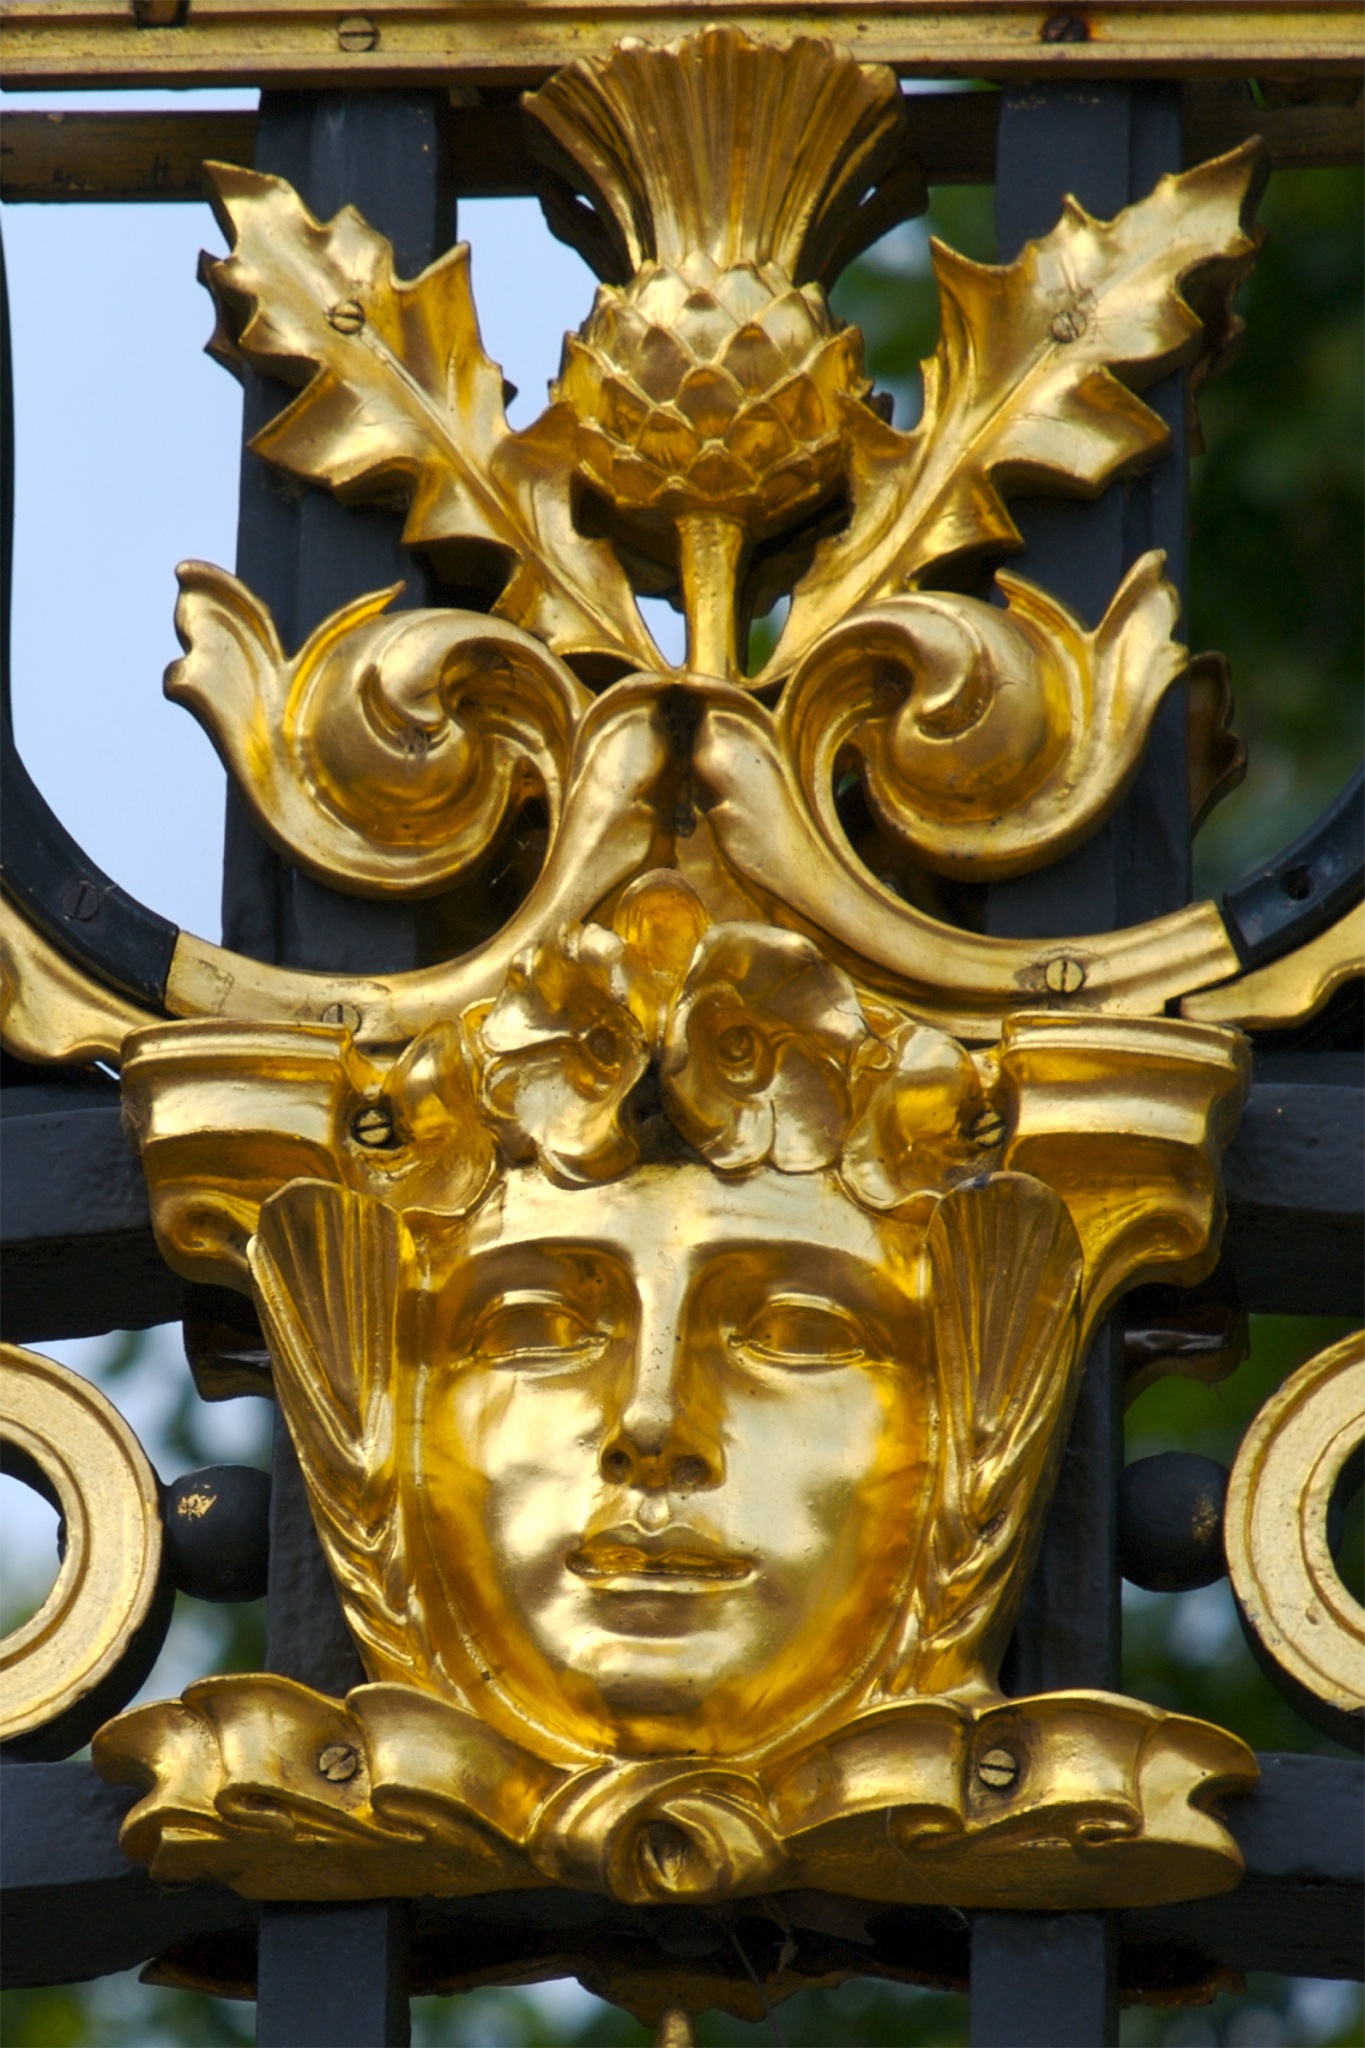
pixel 76 1449
pixel 677 1302
pixel 1291 989
pixel 1276 1527
pixel 670 1481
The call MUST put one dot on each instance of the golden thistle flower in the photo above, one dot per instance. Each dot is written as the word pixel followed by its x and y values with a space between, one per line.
pixel 707 381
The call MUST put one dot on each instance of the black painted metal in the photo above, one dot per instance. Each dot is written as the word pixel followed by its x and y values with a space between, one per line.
pixel 1294 1178
pixel 1171 1521
pixel 217 1522
pixel 334 1976
pixel 80 1257
pixel 305 555
pixel 1053 1979
pixel 1282 903
pixel 72 1906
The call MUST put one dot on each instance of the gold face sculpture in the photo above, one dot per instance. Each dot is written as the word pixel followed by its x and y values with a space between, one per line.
pixel 679 1453
pixel 678 1299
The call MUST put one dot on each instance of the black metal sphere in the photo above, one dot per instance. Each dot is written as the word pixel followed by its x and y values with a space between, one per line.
pixel 1171 1522
pixel 218 1532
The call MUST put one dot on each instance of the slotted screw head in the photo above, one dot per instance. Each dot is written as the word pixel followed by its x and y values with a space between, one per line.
pixel 373 1125
pixel 338 1762
pixel 998 1769
pixel 347 316
pixel 356 33
pixel 988 1129
pixel 1064 976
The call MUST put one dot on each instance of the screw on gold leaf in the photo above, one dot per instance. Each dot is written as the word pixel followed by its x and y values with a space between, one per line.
pixel 338 1762
pixel 987 1129
pixel 998 1769
pixel 373 1125
pixel 347 316
pixel 1064 976
pixel 342 1013
pixel 356 32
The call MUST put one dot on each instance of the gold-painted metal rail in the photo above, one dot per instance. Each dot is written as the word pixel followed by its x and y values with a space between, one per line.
pixel 407 42
pixel 132 156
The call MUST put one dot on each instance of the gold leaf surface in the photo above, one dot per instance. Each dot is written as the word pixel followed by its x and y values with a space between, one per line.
pixel 327 1265
pixel 1033 384
pixel 400 402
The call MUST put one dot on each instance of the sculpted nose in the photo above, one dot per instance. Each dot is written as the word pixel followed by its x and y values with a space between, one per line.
pixel 660 1438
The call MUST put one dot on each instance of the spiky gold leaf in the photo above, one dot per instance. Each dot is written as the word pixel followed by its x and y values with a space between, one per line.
pixel 1033 384
pixel 400 401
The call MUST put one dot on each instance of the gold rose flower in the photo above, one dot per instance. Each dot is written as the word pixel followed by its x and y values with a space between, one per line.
pixel 562 1048
pixel 758 1051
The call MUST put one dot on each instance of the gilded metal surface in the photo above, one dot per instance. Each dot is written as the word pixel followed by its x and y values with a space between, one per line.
pixel 388 754
pixel 1292 989
pixel 100 1481
pixel 633 1283
pixel 410 42
pixel 50 1009
pixel 1276 1525
pixel 678 1463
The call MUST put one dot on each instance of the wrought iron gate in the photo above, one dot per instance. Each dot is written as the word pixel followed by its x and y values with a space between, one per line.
pixel 80 1252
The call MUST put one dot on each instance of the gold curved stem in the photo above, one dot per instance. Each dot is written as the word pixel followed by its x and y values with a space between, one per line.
pixel 710 549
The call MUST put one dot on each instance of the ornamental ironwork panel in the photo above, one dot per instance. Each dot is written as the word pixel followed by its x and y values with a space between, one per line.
pixel 697 1152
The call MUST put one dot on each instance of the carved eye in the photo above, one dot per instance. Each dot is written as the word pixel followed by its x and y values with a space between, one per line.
pixel 532 1329
pixel 795 1330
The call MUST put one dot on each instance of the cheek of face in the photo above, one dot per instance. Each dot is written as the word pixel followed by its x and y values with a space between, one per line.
pixel 674 1477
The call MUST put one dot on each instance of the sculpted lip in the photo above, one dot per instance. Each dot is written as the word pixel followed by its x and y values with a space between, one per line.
pixel 675 1555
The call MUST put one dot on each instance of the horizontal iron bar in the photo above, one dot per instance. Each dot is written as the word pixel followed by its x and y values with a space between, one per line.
pixel 80 1258
pixel 426 42
pixel 72 1908
pixel 131 156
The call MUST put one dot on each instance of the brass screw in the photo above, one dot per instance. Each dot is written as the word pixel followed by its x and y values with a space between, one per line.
pixel 1066 28
pixel 338 1762
pixel 1064 976
pixel 998 1769
pixel 356 32
pixel 342 1013
pixel 373 1125
pixel 988 1129
pixel 1068 325
pixel 347 316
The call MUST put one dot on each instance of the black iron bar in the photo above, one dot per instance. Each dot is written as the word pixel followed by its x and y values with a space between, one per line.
pixel 1052 1979
pixel 333 1974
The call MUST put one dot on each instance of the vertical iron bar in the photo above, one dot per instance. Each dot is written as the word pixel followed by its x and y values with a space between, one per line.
pixel 334 1976
pixel 327 1974
pixel 1052 1978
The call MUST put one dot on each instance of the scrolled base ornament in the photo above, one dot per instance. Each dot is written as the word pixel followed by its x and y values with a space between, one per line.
pixel 1067 1800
